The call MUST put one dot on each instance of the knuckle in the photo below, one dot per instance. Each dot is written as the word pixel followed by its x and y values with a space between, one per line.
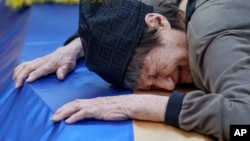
pixel 51 64
pixel 22 66
pixel 75 104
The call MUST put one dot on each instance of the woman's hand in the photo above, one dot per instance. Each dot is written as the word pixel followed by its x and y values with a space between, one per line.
pixel 142 107
pixel 62 61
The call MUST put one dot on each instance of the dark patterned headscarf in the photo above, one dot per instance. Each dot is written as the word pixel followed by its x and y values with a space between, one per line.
pixel 110 31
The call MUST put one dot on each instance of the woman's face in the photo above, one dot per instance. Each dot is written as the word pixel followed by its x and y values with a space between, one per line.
pixel 167 64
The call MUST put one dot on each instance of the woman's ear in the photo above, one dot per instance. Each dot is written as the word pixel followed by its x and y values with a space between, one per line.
pixel 156 21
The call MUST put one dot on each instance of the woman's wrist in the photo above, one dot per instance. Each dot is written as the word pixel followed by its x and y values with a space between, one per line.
pixel 75 47
pixel 146 107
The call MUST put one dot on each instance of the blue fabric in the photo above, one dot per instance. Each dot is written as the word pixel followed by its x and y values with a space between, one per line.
pixel 12 24
pixel 25 113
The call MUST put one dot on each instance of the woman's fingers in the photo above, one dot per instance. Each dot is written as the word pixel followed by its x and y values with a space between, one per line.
pixel 40 72
pixel 102 108
pixel 65 111
pixel 75 111
pixel 62 71
pixel 61 62
pixel 21 72
pixel 77 116
pixel 33 70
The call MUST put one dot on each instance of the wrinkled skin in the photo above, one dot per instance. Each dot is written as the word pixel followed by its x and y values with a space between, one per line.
pixel 120 107
pixel 62 61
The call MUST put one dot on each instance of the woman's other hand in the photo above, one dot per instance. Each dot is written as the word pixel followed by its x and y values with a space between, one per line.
pixel 61 61
pixel 133 106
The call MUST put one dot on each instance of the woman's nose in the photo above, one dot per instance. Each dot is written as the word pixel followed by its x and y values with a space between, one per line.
pixel 166 83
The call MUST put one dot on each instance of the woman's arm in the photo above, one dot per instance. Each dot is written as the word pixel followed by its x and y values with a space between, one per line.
pixel 122 107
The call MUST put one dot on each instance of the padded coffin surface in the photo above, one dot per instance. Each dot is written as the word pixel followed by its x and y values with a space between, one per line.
pixel 25 113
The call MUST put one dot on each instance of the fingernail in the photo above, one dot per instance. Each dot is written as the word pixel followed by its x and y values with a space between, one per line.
pixel 16 86
pixel 60 76
pixel 28 79
pixel 53 118
pixel 68 121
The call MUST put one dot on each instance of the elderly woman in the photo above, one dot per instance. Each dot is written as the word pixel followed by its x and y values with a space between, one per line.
pixel 144 47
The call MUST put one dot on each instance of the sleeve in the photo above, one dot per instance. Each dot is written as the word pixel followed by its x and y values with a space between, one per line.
pixel 72 37
pixel 224 71
pixel 173 108
pixel 210 114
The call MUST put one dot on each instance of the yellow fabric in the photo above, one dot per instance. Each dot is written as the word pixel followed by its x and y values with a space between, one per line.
pixel 15 4
pixel 154 131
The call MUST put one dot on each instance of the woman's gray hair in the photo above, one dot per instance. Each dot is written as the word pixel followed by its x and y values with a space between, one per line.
pixel 150 39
